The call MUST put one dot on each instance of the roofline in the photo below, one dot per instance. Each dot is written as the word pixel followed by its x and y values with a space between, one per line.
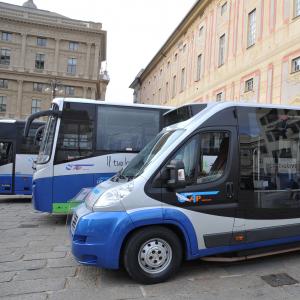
pixel 97 102
pixel 53 15
pixel 185 22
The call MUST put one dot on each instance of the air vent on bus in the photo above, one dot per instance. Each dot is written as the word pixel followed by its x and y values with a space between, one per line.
pixel 182 113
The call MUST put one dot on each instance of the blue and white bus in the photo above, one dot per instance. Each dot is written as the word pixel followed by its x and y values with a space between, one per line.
pixel 84 143
pixel 16 157
pixel 221 185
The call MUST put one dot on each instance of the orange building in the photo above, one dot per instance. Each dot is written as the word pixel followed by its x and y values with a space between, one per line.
pixel 241 50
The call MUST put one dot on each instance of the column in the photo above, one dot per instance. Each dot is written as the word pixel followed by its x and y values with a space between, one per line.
pixel 93 94
pixel 19 99
pixel 87 63
pixel 96 62
pixel 56 55
pixel 23 50
pixel 84 92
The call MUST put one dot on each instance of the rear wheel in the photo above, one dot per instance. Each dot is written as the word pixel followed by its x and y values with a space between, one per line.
pixel 152 254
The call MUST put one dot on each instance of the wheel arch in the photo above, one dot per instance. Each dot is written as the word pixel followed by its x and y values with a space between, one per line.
pixel 177 229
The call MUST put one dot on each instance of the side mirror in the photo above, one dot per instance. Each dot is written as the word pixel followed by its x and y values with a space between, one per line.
pixel 176 177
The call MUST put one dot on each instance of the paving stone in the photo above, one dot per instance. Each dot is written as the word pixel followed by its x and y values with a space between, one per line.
pixel 15 244
pixel 118 292
pixel 31 286
pixel 10 257
pixel 44 255
pixel 6 276
pixel 63 272
pixel 35 296
pixel 62 262
pixel 22 265
pixel 86 277
pixel 62 248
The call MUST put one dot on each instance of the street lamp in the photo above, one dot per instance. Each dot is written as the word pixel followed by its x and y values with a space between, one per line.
pixel 54 87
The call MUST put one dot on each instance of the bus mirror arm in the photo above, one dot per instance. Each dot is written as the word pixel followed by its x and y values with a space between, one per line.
pixel 44 113
pixel 176 178
pixel 38 134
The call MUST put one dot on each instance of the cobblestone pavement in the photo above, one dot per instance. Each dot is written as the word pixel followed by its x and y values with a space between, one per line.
pixel 36 263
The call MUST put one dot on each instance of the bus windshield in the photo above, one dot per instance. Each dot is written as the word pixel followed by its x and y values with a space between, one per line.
pixel 47 141
pixel 150 153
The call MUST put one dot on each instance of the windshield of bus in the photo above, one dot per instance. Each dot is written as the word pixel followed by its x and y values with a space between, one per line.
pixel 47 141
pixel 149 154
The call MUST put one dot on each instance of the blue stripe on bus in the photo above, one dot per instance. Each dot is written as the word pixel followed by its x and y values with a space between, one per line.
pixel 61 189
pixel 23 184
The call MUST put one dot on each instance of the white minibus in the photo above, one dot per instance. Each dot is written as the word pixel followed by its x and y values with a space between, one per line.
pixel 222 184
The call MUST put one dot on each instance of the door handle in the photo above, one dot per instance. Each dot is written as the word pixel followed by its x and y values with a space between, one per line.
pixel 229 190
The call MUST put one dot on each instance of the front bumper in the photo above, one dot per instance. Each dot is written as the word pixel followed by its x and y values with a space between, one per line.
pixel 97 237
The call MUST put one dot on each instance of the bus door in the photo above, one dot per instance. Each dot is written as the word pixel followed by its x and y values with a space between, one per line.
pixel 209 197
pixel 6 167
pixel 269 192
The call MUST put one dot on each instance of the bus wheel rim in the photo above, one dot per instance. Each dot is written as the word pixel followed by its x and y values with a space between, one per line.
pixel 155 256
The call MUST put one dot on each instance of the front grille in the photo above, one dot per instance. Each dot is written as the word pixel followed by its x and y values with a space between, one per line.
pixel 74 222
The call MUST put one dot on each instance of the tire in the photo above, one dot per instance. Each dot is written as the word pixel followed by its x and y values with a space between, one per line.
pixel 152 254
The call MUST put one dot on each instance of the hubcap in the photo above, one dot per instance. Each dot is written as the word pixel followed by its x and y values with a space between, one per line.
pixel 155 256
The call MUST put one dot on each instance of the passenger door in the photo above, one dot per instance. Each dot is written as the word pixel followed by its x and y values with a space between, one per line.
pixel 269 193
pixel 209 198
pixel 6 167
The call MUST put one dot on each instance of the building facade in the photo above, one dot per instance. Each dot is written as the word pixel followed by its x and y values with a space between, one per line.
pixel 241 50
pixel 43 55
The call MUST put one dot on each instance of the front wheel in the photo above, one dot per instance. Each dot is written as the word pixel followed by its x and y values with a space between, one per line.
pixel 152 254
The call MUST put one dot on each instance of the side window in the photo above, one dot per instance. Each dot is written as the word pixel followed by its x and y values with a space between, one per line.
pixel 5 153
pixel 269 156
pixel 213 156
pixel 188 154
pixel 125 129
pixel 27 145
pixel 75 139
pixel 204 157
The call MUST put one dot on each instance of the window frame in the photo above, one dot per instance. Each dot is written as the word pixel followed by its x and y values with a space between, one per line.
pixel 40 61
pixel 174 86
pixel 223 9
pixel 183 80
pixel 201 30
pixel 74 47
pixel 247 85
pixel 219 97
pixel 296 8
pixel 41 41
pixel 199 134
pixel 295 62
pixel 38 87
pixel 69 88
pixel 199 67
pixel 6 36
pixel 222 46
pixel 3 103
pixel 6 57
pixel 37 107
pixel 3 83
pixel 98 144
pixel 251 28
pixel 72 66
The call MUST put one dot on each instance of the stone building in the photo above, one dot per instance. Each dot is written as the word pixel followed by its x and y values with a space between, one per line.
pixel 228 50
pixel 44 54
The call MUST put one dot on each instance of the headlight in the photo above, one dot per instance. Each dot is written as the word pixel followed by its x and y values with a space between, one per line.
pixel 114 195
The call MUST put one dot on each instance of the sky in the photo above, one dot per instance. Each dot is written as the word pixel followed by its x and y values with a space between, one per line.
pixel 136 29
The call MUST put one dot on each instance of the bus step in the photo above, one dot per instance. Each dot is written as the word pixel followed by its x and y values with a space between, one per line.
pixel 250 256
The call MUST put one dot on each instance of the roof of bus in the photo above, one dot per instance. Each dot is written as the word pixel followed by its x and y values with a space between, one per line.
pixel 218 106
pixel 8 121
pixel 82 100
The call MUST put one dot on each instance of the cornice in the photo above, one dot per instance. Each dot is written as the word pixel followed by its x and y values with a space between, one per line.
pixel 180 30
pixel 52 25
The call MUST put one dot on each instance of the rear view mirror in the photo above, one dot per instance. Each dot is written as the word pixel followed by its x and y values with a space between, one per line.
pixel 176 178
